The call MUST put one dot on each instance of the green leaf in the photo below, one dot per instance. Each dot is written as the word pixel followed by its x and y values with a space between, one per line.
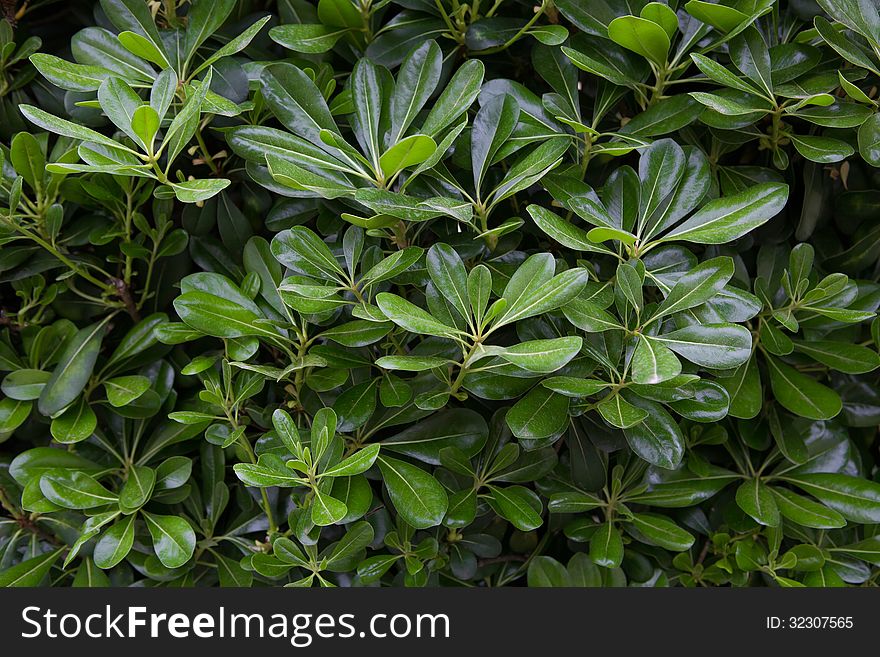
pixel 173 539
pixel 642 36
pixel 801 394
pixel 459 428
pixel 144 48
pixel 620 413
pixel 869 140
pixel 718 346
pixel 492 126
pixel 173 472
pixel 137 488
pixel 854 498
pixel 722 17
pixel 196 191
pixel 205 17
pixel 235 45
pixel 530 168
pixel 717 73
pixel 77 423
pixel 133 16
pixel 758 501
pixel 368 97
pixel 416 81
pixel 68 129
pixel 805 511
pixel 604 234
pixel 543 356
pixel 327 510
pixel 411 363
pixel 574 387
pixel 122 390
pixel 663 16
pixel 119 102
pixel 361 461
pixel 822 149
pixel 564 232
pixel 231 574
pixel 546 572
pixel 541 413
pixel 448 274
pixel 73 370
pixel 653 362
pixel 696 286
pixel 25 384
pixel 307 38
pixel 185 122
pixel 30 572
pixel 521 506
pixel 416 495
pixel 145 124
pixel 661 531
pixel 456 98
pixel 13 414
pixel 28 159
pixel 573 502
pixel 411 317
pixel 745 390
pixel 115 543
pixel 750 54
pixel 732 105
pixel 69 75
pixel 846 47
pixel 217 316
pixel 269 470
pixel 731 217
pixel 408 152
pixel 35 462
pixel 606 546
pixel 75 490
pixel 866 550
pixel 840 356
pixel 657 438
pixel 533 300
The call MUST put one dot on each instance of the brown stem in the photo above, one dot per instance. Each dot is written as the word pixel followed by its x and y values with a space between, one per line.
pixel 703 552
pixel 124 294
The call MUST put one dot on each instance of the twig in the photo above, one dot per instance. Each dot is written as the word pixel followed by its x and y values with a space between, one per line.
pixel 124 295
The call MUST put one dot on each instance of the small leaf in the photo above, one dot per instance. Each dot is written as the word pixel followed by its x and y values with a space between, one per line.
pixel 416 495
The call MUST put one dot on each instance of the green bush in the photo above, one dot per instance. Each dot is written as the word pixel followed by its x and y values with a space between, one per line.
pixel 418 293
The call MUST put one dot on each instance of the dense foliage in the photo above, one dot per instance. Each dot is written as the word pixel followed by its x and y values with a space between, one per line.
pixel 429 292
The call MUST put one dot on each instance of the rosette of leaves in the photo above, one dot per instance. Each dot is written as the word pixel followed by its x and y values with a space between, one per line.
pixel 140 123
pixel 604 510
pixel 795 330
pixel 398 176
pixel 656 43
pixel 659 305
pixel 315 467
pixel 395 138
pixel 343 25
pixel 780 84
pixel 141 52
